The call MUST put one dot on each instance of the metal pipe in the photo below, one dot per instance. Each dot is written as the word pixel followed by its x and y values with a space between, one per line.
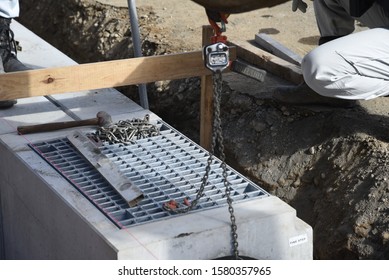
pixel 136 42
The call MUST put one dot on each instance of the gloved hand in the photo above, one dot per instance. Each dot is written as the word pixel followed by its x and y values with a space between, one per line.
pixel 299 4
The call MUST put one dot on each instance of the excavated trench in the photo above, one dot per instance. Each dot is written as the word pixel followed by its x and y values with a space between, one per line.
pixel 330 165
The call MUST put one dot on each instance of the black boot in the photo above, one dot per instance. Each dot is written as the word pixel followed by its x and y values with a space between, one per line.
pixel 8 48
pixel 5 104
pixel 8 51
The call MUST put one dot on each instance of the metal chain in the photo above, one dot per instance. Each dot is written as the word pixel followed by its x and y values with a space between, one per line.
pixel 218 136
pixel 217 139
pixel 127 131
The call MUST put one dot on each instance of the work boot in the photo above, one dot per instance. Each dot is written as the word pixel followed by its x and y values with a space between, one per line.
pixel 8 48
pixel 8 51
pixel 5 104
pixel 304 95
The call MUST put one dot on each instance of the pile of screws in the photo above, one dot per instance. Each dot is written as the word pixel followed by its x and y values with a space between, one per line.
pixel 127 131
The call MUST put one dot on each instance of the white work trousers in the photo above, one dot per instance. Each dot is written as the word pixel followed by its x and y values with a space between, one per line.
pixel 355 66
pixel 9 8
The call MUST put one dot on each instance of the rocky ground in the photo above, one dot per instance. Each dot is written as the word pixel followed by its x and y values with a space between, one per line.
pixel 331 165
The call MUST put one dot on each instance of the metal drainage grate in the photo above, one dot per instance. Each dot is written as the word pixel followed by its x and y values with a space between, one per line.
pixel 164 167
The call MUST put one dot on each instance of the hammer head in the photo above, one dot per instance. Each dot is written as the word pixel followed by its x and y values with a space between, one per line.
pixel 104 119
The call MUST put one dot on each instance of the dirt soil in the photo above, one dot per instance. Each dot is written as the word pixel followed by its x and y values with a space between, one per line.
pixel 331 165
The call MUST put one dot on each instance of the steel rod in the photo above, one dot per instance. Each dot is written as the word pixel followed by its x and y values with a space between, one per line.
pixel 136 42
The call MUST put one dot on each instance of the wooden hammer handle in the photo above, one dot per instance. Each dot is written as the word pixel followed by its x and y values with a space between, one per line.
pixel 55 126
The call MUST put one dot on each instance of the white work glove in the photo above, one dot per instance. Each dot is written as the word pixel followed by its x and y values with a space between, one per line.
pixel 299 4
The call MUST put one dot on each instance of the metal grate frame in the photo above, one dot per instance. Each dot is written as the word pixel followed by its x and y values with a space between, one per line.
pixel 164 167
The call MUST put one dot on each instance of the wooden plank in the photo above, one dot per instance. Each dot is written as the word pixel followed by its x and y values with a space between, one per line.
pixel 110 171
pixel 248 51
pixel 99 75
pixel 276 48
pixel 206 101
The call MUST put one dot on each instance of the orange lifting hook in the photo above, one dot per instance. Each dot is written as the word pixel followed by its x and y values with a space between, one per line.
pixel 214 18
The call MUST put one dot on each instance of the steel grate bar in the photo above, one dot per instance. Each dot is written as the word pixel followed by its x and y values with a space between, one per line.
pixel 164 167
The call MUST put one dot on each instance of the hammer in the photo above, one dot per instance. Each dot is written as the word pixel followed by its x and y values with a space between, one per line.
pixel 103 119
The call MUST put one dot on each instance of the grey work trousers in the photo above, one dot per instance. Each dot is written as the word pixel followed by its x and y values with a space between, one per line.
pixel 356 65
